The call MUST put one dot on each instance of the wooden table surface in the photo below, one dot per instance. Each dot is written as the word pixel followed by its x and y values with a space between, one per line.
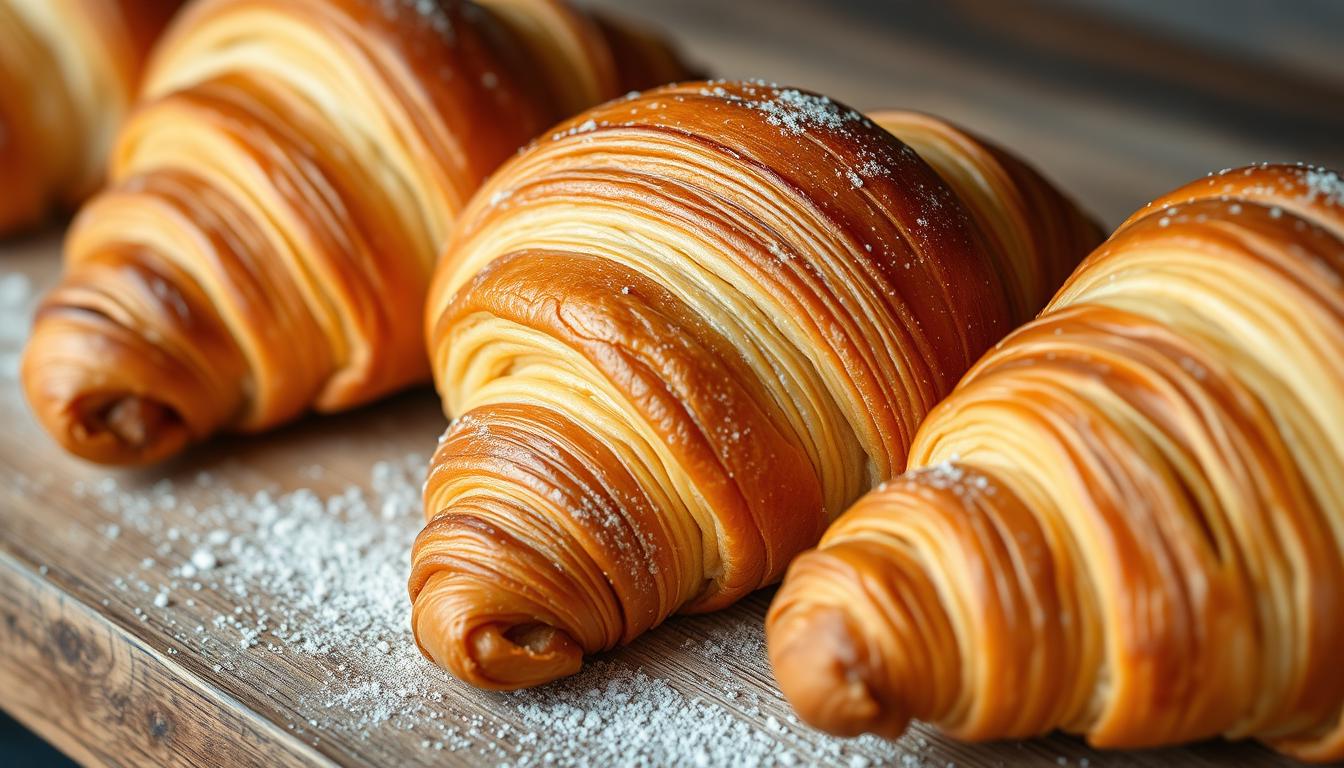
pixel 109 650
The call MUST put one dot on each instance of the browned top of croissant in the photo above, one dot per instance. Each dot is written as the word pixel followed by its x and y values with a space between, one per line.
pixel 279 198
pixel 678 333
pixel 68 71
pixel 1127 521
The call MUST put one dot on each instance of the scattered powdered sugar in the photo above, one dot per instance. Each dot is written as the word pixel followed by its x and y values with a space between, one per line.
pixel 871 167
pixel 16 307
pixel 952 475
pixel 642 719
pixel 307 573
pixel 1309 183
pixel 587 126
pixel 798 112
pixel 246 580
pixel 1324 184
pixel 790 109
pixel 428 13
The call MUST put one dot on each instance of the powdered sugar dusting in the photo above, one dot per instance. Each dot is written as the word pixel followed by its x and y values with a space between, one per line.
pixel 320 576
pixel 950 475
pixel 1305 182
pixel 16 299
pixel 1324 184
pixel 797 112
pixel 794 111
pixel 719 725
pixel 427 13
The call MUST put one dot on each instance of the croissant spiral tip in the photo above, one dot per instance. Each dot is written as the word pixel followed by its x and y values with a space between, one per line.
pixel 525 654
pixel 135 424
pixel 495 656
pixel 822 659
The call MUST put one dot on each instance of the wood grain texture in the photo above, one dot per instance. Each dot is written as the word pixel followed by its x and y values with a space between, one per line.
pixel 1112 127
pixel 103 696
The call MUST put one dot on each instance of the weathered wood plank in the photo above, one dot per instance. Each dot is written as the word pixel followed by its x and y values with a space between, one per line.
pixel 105 697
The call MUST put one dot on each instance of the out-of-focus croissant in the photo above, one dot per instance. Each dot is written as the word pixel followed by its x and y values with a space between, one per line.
pixel 1128 519
pixel 68 70
pixel 678 334
pixel 279 201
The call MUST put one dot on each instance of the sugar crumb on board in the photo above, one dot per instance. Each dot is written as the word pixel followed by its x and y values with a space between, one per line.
pixel 16 299
pixel 321 576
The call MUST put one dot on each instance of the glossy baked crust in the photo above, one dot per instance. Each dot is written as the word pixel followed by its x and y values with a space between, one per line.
pixel 1128 519
pixel 68 71
pixel 678 334
pixel 279 198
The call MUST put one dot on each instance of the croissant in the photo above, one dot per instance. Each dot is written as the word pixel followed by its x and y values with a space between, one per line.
pixel 278 202
pixel 1127 521
pixel 677 334
pixel 68 70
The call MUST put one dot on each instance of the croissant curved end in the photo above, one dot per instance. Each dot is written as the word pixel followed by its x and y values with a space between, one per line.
pixel 103 413
pixel 815 658
pixel 496 655
pixel 124 426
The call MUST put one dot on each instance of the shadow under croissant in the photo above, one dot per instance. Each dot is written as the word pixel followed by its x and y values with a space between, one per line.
pixel 385 427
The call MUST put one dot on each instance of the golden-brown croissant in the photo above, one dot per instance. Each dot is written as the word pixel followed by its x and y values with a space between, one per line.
pixel 279 200
pixel 680 332
pixel 68 71
pixel 1127 521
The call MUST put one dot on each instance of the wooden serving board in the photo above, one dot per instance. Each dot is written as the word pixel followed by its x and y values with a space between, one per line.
pixel 175 616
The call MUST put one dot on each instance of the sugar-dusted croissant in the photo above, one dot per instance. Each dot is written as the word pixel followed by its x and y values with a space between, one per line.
pixel 1128 519
pixel 680 332
pixel 280 199
pixel 68 70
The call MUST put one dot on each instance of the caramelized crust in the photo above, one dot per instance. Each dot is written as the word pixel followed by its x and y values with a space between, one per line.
pixel 68 71
pixel 682 331
pixel 1127 521
pixel 278 200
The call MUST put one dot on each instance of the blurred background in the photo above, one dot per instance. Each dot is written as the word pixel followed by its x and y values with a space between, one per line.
pixel 1118 100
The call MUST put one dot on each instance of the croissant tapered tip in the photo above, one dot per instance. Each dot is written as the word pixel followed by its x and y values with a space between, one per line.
pixel 524 655
pixel 106 424
pixel 85 378
pixel 495 655
pixel 108 369
pixel 126 428
pixel 818 662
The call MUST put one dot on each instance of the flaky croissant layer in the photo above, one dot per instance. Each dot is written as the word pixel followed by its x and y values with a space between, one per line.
pixel 678 333
pixel 68 71
pixel 278 200
pixel 1127 521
